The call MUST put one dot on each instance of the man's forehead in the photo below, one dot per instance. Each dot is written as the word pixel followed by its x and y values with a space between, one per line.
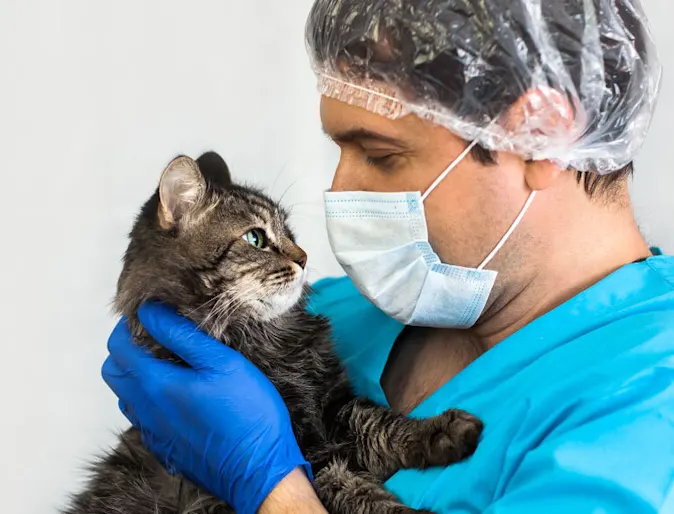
pixel 340 118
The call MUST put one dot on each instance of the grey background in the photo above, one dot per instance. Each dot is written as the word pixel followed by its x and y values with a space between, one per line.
pixel 96 97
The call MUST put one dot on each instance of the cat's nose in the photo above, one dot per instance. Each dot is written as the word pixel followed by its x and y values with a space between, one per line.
pixel 296 254
pixel 301 259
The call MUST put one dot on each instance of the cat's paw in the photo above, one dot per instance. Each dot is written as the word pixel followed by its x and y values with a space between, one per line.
pixel 451 437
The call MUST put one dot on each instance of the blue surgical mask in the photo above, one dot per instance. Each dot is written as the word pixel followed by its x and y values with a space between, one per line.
pixel 381 241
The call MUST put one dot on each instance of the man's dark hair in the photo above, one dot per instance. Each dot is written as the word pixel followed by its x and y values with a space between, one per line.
pixel 426 47
pixel 595 185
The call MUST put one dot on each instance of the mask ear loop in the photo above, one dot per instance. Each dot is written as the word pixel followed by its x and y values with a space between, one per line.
pixel 515 223
pixel 454 164
pixel 457 161
pixel 510 231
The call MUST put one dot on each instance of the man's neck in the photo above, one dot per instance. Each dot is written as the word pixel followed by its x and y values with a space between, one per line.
pixel 424 359
pixel 573 260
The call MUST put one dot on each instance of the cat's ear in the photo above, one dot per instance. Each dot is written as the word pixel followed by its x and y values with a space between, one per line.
pixel 215 169
pixel 181 189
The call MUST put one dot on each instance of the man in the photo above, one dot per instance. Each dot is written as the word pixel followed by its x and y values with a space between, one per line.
pixel 480 209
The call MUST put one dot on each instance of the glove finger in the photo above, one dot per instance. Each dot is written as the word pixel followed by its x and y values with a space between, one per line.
pixel 181 336
pixel 132 358
pixel 149 440
pixel 120 333
pixel 122 381
pixel 161 448
pixel 133 401
pixel 129 414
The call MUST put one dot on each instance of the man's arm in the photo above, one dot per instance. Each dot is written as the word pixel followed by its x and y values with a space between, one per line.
pixel 293 495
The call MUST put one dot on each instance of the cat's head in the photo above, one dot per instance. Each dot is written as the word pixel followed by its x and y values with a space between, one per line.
pixel 220 253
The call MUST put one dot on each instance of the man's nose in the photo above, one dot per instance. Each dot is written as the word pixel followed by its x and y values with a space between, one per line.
pixel 347 177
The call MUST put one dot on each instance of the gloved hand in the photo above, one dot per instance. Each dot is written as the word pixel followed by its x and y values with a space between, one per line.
pixel 220 422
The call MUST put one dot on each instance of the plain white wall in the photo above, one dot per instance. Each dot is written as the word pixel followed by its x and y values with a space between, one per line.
pixel 95 98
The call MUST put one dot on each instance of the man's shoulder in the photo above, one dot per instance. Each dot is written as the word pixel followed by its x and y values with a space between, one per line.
pixel 620 357
pixel 663 267
pixel 644 302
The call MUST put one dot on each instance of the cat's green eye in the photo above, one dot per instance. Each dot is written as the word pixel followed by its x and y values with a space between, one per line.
pixel 256 238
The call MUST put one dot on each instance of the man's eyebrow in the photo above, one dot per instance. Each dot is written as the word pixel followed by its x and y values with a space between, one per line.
pixel 361 134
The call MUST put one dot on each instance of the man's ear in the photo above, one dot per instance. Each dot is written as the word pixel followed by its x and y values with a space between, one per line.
pixel 540 175
pixel 181 189
pixel 542 113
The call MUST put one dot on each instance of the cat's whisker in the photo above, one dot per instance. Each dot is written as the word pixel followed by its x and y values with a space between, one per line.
pixel 314 214
pixel 239 300
pixel 222 324
pixel 213 313
pixel 188 314
pixel 231 304
pixel 245 322
pixel 292 184
pixel 240 295
pixel 304 204
pixel 311 217
pixel 283 169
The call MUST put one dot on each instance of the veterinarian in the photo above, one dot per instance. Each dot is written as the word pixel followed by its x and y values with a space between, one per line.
pixel 481 212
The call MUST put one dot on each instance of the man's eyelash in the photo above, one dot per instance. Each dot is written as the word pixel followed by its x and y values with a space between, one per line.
pixel 380 162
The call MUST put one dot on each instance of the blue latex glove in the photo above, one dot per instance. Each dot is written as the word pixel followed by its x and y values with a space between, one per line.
pixel 220 422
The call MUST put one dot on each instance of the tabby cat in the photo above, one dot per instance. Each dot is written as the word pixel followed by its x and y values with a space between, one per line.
pixel 223 255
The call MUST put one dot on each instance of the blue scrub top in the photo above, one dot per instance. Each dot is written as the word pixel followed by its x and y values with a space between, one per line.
pixel 578 405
